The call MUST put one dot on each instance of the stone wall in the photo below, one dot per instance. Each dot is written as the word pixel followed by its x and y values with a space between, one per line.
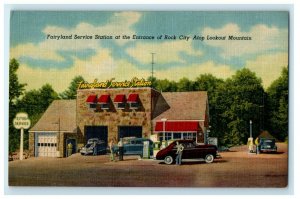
pixel 114 117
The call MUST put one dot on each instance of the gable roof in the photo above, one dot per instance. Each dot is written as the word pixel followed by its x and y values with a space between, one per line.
pixel 60 116
pixel 265 134
pixel 184 105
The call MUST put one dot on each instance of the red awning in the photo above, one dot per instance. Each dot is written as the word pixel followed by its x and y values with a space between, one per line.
pixel 104 99
pixel 91 99
pixel 177 126
pixel 120 98
pixel 133 98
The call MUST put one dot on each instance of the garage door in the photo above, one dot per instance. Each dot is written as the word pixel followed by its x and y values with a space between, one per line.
pixel 99 132
pixel 130 131
pixel 46 144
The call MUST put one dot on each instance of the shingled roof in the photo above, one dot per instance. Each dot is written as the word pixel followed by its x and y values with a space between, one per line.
pixel 184 105
pixel 60 116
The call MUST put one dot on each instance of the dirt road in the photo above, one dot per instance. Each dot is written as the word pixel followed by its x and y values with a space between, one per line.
pixel 237 168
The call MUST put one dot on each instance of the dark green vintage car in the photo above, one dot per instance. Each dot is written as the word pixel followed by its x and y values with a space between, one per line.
pixel 135 146
pixel 267 145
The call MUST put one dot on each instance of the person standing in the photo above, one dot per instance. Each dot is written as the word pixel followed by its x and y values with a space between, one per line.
pixel 179 153
pixel 257 145
pixel 70 149
pixel 95 148
pixel 121 149
pixel 111 148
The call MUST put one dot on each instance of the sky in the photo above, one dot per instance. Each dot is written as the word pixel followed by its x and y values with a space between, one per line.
pixel 57 62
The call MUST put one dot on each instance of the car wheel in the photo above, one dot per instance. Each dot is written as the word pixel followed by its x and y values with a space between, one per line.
pixel 168 160
pixel 209 158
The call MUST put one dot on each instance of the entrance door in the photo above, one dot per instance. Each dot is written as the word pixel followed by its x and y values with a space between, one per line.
pixel 99 132
pixel 46 144
pixel 130 131
pixel 73 142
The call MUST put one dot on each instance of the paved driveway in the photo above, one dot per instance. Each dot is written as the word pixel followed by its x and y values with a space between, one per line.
pixel 236 169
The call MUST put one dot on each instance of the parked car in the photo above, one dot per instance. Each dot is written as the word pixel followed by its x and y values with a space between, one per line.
pixel 191 150
pixel 267 145
pixel 134 146
pixel 88 149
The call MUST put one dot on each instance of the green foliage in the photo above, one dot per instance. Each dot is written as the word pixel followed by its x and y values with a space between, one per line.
pixel 232 103
pixel 15 91
pixel 277 104
pixel 185 84
pixel 37 101
pixel 15 88
pixel 239 100
pixel 166 85
pixel 71 92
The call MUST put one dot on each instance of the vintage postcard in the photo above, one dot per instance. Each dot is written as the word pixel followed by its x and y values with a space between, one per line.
pixel 148 98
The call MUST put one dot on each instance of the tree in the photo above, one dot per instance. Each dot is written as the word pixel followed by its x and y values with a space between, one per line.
pixel 15 88
pixel 277 106
pixel 15 91
pixel 209 83
pixel 71 92
pixel 166 85
pixel 35 103
pixel 238 101
pixel 185 84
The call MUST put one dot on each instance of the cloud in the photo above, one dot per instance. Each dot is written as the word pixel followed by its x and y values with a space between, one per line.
pixel 264 38
pixel 166 52
pixel 268 67
pixel 49 49
pixel 120 23
pixel 103 67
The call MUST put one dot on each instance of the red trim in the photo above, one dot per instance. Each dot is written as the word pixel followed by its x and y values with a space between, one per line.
pixel 133 98
pixel 177 126
pixel 121 98
pixel 91 99
pixel 104 99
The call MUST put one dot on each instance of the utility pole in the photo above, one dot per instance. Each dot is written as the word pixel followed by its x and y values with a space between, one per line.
pixel 152 69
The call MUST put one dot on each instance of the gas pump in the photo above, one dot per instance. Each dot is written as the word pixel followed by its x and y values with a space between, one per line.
pixel 251 146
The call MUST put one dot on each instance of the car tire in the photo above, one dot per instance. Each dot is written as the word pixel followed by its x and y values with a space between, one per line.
pixel 209 158
pixel 168 159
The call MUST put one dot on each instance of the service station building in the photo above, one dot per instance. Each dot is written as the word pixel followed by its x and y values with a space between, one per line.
pixel 115 113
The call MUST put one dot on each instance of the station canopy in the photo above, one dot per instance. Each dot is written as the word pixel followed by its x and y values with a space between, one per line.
pixel 177 126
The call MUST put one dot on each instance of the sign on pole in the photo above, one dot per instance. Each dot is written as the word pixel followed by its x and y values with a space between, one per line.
pixel 21 121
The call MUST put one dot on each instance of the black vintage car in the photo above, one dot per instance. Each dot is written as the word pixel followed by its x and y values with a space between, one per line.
pixel 88 149
pixel 267 145
pixel 191 151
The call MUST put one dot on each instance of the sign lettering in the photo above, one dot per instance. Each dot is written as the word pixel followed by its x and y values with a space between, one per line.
pixel 21 121
pixel 135 82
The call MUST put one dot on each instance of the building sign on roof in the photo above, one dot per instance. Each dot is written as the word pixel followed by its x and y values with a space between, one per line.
pixel 134 82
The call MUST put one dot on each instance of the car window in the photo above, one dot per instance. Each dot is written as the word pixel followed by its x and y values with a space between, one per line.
pixel 126 142
pixel 189 145
pixel 132 142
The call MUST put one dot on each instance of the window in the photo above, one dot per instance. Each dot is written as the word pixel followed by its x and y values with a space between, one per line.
pixel 168 136
pixel 133 101
pixel 177 136
pixel 189 136
pixel 134 105
pixel 104 106
pixel 93 105
pixel 104 101
pixel 121 105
